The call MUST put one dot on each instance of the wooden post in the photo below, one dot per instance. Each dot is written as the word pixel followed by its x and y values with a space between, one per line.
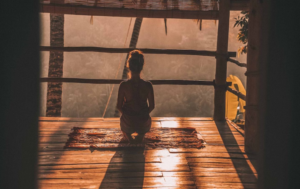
pixel 253 79
pixel 221 66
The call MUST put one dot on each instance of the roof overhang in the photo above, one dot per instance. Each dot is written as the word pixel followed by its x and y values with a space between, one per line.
pixel 123 12
pixel 145 12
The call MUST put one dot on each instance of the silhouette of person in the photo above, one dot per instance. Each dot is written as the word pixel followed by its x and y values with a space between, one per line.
pixel 135 100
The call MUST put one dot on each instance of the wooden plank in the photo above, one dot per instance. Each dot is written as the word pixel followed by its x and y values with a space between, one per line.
pixel 92 159
pixel 96 119
pixel 123 12
pixel 69 125
pixel 219 165
pixel 118 81
pixel 221 65
pixel 222 170
pixel 83 175
pixel 205 174
pixel 216 160
pixel 182 118
pixel 225 185
pixel 96 186
pixel 207 135
pixel 234 149
pixel 239 5
pixel 164 168
pixel 225 179
pixel 100 154
pixel 127 50
pixel 212 155
pixel 135 182
pixel 86 175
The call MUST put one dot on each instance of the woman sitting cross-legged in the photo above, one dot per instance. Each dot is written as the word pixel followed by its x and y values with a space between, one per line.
pixel 132 100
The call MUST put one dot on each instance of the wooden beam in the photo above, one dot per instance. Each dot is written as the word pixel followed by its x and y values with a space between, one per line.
pixel 118 81
pixel 253 76
pixel 237 93
pixel 239 5
pixel 237 63
pixel 221 66
pixel 146 51
pixel 123 12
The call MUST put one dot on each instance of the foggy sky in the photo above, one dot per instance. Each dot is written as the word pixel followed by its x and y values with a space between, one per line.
pixel 89 100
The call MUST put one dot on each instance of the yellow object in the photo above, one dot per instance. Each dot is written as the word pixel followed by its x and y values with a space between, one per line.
pixel 232 101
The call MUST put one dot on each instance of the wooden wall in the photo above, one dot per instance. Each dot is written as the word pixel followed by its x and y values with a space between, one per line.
pixel 278 107
pixel 19 96
pixel 272 110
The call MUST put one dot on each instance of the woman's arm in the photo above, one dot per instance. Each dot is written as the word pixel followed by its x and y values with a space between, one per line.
pixel 121 96
pixel 151 98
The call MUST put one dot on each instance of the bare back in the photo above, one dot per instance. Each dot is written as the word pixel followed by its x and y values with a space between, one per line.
pixel 133 96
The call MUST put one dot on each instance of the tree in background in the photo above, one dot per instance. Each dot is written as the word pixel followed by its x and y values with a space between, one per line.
pixel 54 90
pixel 242 21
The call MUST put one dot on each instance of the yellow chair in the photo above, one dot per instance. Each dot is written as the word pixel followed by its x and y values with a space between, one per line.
pixel 232 101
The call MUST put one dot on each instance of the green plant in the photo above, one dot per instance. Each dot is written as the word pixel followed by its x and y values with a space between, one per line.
pixel 242 36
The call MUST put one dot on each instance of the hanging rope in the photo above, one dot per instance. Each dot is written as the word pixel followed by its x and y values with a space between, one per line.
pixel 117 71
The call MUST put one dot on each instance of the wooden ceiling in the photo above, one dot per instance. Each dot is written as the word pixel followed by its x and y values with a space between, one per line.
pixel 185 9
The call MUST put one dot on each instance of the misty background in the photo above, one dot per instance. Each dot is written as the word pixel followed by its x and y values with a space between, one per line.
pixel 89 100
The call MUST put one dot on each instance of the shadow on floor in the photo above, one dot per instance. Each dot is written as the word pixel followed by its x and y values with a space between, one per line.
pixel 125 170
pixel 243 169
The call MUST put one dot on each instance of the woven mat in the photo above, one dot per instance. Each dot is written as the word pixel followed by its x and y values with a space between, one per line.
pixel 113 138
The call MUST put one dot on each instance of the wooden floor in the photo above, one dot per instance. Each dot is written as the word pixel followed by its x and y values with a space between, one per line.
pixel 221 164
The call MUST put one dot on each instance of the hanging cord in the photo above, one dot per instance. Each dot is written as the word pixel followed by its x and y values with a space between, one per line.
pixel 120 61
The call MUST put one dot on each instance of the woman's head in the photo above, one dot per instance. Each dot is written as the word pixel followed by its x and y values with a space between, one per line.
pixel 135 61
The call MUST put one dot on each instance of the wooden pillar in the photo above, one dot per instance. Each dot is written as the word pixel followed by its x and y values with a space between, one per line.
pixel 279 102
pixel 253 79
pixel 19 96
pixel 221 66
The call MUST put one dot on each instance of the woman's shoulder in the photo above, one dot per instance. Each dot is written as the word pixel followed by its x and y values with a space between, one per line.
pixel 124 84
pixel 148 84
pixel 128 82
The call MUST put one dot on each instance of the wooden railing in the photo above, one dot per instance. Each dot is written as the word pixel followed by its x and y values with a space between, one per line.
pixel 118 81
pixel 237 93
pixel 237 63
pixel 144 50
pixel 154 82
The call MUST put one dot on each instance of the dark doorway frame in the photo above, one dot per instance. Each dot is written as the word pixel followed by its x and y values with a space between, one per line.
pixel 279 103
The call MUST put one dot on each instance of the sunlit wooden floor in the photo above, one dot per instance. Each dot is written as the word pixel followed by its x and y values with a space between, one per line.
pixel 222 164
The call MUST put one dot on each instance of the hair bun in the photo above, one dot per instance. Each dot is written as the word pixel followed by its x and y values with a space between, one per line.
pixel 135 61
